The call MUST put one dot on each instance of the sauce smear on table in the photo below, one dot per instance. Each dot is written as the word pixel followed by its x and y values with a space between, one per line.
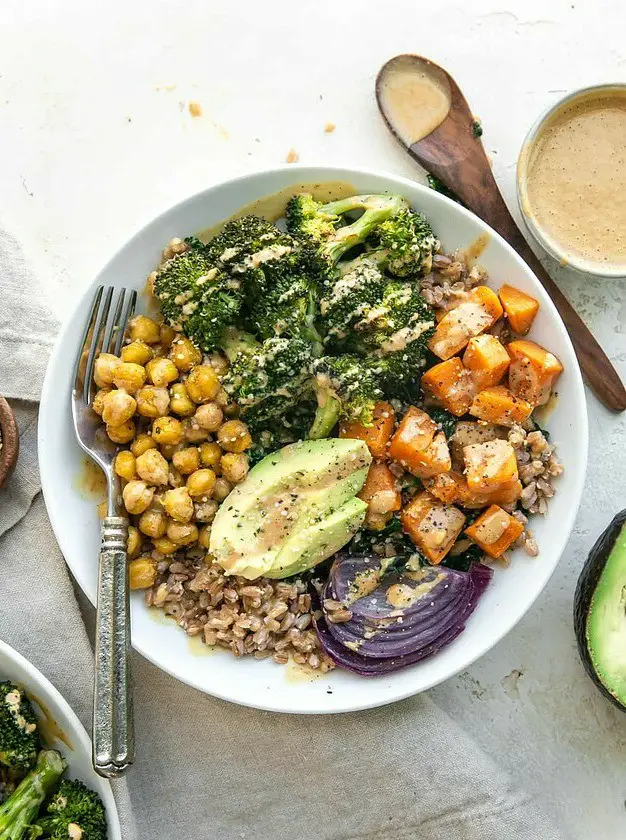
pixel 576 178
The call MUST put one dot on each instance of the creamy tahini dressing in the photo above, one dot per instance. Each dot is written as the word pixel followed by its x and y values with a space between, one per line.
pixel 415 97
pixel 576 178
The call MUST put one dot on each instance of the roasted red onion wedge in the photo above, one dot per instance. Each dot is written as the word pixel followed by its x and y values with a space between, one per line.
pixel 398 618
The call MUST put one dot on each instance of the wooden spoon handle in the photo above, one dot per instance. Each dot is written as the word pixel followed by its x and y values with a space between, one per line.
pixel 477 188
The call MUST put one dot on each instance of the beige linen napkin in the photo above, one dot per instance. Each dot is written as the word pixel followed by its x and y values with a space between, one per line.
pixel 206 769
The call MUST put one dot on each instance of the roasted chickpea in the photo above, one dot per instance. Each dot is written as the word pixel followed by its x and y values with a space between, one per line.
pixel 168 449
pixel 178 504
pixel 161 372
pixel 184 354
pixel 152 467
pixel 125 465
pixel 142 573
pixel 204 537
pixel 219 363
pixel 137 352
pixel 123 433
pixel 205 511
pixel 129 376
pixel 142 328
pixel 133 546
pixel 233 436
pixel 137 496
pixel 152 402
pixel 167 334
pixel 210 454
pixel 142 443
pixel 164 545
pixel 222 399
pixel 153 523
pixel 234 466
pixel 104 369
pixel 222 489
pixel 187 460
pixel 209 416
pixel 193 432
pixel 98 401
pixel 182 533
pixel 201 483
pixel 202 383
pixel 179 400
pixel 174 478
pixel 167 430
pixel 118 407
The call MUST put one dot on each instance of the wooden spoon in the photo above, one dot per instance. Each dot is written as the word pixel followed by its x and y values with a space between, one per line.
pixel 426 111
pixel 10 441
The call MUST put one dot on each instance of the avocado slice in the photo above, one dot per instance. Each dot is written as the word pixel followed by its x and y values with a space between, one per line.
pixel 600 612
pixel 295 508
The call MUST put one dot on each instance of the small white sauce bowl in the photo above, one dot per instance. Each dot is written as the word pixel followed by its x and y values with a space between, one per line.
pixel 539 234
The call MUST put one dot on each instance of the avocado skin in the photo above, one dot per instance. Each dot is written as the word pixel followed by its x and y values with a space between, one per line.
pixel 585 588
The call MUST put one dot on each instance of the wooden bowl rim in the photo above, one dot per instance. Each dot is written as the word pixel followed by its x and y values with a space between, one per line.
pixel 10 440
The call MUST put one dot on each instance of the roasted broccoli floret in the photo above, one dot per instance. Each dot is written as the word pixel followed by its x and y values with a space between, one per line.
pixel 324 223
pixel 357 289
pixel 345 388
pixel 267 379
pixel 197 295
pixel 394 332
pixel 73 812
pixel 19 811
pixel 19 736
pixel 408 243
pixel 281 289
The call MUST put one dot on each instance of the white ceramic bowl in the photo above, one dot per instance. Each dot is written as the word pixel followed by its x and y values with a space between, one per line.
pixel 264 684
pixel 61 728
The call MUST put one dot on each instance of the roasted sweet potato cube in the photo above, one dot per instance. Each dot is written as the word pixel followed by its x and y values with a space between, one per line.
pixel 471 431
pixel 533 371
pixel 452 488
pixel 501 406
pixel 432 460
pixel 451 385
pixel 520 308
pixel 471 317
pixel 414 434
pixel 375 436
pixel 490 466
pixel 380 490
pixel 486 359
pixel 494 531
pixel 432 526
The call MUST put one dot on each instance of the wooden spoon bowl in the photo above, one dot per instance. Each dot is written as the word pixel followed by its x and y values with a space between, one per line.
pixel 10 441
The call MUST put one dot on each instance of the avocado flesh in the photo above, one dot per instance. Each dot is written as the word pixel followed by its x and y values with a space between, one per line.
pixel 311 545
pixel 289 493
pixel 606 622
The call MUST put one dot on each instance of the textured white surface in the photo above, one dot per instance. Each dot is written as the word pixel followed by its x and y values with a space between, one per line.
pixel 96 138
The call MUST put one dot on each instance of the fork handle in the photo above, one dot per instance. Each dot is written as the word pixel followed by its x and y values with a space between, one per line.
pixel 113 729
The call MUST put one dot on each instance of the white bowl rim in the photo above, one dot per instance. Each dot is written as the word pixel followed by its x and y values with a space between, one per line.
pixel 52 696
pixel 321 172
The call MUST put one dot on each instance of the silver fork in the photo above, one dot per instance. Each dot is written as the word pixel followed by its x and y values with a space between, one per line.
pixel 113 731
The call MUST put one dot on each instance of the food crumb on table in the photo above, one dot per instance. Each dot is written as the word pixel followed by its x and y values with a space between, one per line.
pixel 195 109
pixel 292 156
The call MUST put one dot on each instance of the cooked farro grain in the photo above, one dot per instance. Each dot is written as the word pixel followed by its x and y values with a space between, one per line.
pixel 537 465
pixel 450 280
pixel 265 618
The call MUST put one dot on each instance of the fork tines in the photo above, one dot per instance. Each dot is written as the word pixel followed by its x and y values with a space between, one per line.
pixel 104 333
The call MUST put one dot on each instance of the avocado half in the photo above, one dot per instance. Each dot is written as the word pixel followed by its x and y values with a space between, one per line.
pixel 600 612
